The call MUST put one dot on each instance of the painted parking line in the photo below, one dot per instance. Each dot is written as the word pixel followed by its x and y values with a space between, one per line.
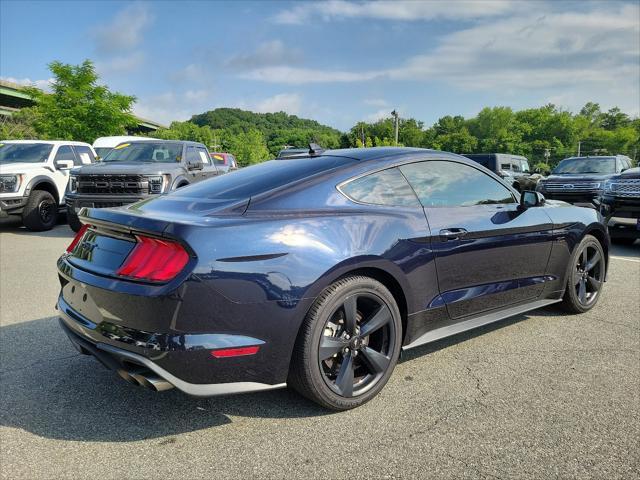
pixel 634 260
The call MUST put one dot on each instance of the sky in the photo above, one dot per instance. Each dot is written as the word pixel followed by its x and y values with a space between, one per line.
pixel 338 62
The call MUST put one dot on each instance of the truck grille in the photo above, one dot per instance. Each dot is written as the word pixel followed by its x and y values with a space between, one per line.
pixel 569 187
pixel 626 188
pixel 113 184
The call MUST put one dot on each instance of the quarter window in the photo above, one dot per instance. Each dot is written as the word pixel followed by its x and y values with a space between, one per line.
pixel 387 187
pixel 450 184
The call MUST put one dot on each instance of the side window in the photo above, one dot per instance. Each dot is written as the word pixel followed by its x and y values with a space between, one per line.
pixel 192 155
pixel 204 155
pixel 515 166
pixel 505 166
pixel 84 155
pixel 65 153
pixel 441 183
pixel 388 187
pixel 232 161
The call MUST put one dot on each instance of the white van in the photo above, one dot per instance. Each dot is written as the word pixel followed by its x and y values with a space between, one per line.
pixel 103 145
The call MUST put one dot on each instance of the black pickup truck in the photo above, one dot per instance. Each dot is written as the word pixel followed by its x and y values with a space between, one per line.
pixel 136 170
pixel 580 180
pixel 620 206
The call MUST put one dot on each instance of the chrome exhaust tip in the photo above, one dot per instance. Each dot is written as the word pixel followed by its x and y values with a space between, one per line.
pixel 152 381
pixel 127 377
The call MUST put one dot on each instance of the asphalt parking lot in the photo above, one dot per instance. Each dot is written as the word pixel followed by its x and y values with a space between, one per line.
pixel 543 395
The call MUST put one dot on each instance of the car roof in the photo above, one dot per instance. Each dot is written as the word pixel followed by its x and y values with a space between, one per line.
pixel 105 142
pixel 379 153
pixel 52 142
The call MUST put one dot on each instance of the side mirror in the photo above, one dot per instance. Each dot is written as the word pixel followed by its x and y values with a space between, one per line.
pixel 530 199
pixel 194 165
pixel 64 164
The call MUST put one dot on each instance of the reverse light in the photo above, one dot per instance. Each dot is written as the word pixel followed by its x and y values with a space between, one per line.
pixel 154 260
pixel 77 238
pixel 235 352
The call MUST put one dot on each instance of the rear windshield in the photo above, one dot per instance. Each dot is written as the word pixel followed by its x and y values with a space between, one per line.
pixel 587 165
pixel 24 152
pixel 260 178
pixel 152 152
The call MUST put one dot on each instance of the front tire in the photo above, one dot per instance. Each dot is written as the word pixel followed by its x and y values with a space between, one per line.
pixel 41 211
pixel 348 344
pixel 585 276
pixel 74 222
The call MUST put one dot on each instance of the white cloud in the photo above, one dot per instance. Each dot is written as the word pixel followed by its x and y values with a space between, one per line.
pixel 594 54
pixel 177 105
pixel 379 115
pixel 125 31
pixel 393 10
pixel 268 54
pixel 283 102
pixel 27 82
pixel 120 64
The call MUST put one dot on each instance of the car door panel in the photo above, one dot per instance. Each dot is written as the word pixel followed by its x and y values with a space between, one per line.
pixel 489 253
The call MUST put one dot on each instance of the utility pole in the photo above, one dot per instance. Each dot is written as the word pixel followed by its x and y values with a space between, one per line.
pixel 395 115
pixel 579 145
pixel 364 142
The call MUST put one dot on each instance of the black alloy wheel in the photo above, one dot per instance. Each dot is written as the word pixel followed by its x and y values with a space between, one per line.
pixel 356 346
pixel 348 344
pixel 585 276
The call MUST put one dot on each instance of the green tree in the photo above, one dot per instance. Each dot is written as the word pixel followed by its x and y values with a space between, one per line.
pixel 248 147
pixel 79 108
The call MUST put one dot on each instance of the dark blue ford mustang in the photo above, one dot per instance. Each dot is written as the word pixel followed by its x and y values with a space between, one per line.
pixel 315 272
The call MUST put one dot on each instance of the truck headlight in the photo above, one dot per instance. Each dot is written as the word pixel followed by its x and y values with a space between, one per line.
pixel 540 187
pixel 608 186
pixel 73 183
pixel 10 183
pixel 158 183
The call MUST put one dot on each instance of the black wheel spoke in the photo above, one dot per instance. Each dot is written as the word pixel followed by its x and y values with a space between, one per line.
pixel 375 361
pixel 582 291
pixel 377 321
pixel 593 261
pixel 350 313
pixel 329 346
pixel 344 381
pixel 593 283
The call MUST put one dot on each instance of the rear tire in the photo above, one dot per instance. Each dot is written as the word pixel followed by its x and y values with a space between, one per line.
pixel 73 221
pixel 41 211
pixel 348 344
pixel 585 276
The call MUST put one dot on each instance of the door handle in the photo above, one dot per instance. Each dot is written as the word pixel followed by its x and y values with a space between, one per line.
pixel 452 234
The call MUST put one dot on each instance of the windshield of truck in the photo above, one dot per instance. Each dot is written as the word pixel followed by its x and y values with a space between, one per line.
pixel 151 152
pixel 24 152
pixel 584 165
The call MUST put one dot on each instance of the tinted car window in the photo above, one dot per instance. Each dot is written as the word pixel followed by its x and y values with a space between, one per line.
pixel 505 166
pixel 452 184
pixel 250 181
pixel 65 153
pixel 24 152
pixel 84 154
pixel 388 187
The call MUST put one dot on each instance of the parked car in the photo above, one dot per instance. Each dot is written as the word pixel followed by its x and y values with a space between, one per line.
pixel 137 170
pixel 620 206
pixel 315 272
pixel 514 169
pixel 104 145
pixel 225 162
pixel 580 180
pixel 34 176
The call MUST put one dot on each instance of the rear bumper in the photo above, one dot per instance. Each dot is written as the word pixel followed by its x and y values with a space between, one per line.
pixel 116 352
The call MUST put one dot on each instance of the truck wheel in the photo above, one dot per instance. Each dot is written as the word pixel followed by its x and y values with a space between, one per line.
pixel 41 211
pixel 73 221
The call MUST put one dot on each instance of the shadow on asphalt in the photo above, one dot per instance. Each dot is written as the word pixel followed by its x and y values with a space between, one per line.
pixel 14 225
pixel 54 392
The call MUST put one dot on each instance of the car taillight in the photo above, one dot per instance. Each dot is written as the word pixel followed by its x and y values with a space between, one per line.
pixel 235 352
pixel 77 238
pixel 154 260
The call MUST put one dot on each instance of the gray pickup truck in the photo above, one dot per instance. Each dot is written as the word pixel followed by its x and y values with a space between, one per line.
pixel 136 170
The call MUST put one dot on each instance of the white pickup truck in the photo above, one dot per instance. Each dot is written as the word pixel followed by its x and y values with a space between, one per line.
pixel 34 176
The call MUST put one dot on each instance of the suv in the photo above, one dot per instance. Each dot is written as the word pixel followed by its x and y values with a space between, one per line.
pixel 134 171
pixel 514 169
pixel 580 180
pixel 34 176
pixel 620 206
pixel 225 162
